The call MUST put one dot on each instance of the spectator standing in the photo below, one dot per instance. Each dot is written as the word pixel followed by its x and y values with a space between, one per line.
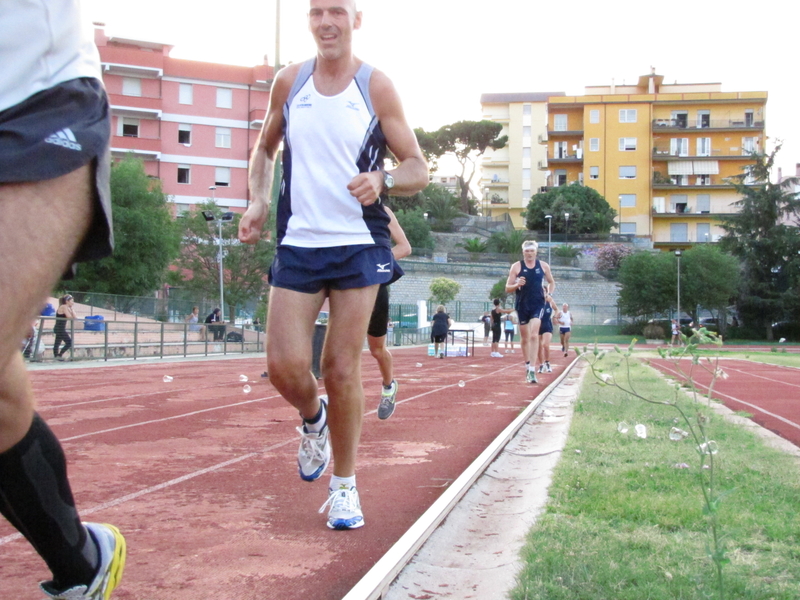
pixel 486 319
pixel 64 314
pixel 54 152
pixel 509 329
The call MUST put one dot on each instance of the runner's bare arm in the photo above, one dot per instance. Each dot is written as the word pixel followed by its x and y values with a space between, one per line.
pixel 411 174
pixel 402 247
pixel 262 160
pixel 514 281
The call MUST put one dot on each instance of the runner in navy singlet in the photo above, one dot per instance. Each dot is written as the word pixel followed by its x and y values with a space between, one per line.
pixel 526 278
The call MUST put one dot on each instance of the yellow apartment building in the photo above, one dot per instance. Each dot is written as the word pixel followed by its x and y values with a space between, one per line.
pixel 511 175
pixel 659 153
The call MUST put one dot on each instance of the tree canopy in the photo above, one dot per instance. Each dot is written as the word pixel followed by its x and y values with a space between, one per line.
pixel 444 290
pixel 416 228
pixel 244 266
pixel 760 235
pixel 588 210
pixel 466 141
pixel 146 238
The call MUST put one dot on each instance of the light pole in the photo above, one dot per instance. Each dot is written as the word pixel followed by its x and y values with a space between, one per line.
pixel 549 235
pixel 228 216
pixel 678 256
pixel 566 234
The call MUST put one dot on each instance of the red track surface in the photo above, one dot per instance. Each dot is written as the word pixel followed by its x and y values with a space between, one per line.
pixel 770 393
pixel 201 477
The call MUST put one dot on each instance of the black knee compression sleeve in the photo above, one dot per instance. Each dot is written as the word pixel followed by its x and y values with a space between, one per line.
pixel 35 497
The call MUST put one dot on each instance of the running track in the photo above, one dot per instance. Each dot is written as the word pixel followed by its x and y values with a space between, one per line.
pixel 771 393
pixel 201 476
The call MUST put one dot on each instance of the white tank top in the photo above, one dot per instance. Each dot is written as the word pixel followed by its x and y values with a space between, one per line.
pixel 328 141
pixel 565 320
pixel 43 43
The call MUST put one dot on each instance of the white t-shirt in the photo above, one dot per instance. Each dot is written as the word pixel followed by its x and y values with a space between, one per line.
pixel 43 43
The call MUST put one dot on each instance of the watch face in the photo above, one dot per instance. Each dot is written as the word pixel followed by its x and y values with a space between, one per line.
pixel 388 181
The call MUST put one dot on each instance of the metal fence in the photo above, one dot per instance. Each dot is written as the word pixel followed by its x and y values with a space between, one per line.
pixel 99 339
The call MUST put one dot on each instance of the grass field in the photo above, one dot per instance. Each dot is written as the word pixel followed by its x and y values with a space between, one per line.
pixel 625 518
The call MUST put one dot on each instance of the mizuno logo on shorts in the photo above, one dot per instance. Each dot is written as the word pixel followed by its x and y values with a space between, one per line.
pixel 64 138
pixel 382 268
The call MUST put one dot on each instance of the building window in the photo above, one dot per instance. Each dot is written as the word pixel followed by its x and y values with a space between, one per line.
pixel 222 176
pixel 131 86
pixel 594 144
pixel 560 150
pixel 748 118
pixel 704 232
pixel 184 134
pixel 627 228
pixel 128 127
pixel 749 145
pixel 184 174
pixel 703 119
pixel 704 180
pixel 703 146
pixel 224 98
pixel 594 172
pixel 679 203
pixel 679 146
pixel 560 177
pixel 526 109
pixel 703 203
pixel 679 232
pixel 594 116
pixel 526 154
pixel 627 172
pixel 526 195
pixel 223 137
pixel 526 174
pixel 627 115
pixel 185 93
pixel 627 200
pixel 559 122
pixel 526 136
pixel 627 144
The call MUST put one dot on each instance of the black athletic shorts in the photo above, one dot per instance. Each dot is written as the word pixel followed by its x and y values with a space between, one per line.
pixel 379 321
pixel 55 132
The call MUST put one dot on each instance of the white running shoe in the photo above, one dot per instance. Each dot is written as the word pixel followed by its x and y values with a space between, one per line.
pixel 530 377
pixel 345 509
pixel 547 367
pixel 315 450
pixel 111 549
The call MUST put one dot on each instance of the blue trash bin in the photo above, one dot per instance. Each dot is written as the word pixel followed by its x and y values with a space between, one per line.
pixel 94 323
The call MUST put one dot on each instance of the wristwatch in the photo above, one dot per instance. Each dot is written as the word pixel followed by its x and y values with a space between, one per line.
pixel 388 181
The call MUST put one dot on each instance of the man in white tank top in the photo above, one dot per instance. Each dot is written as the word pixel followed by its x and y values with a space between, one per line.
pixel 336 117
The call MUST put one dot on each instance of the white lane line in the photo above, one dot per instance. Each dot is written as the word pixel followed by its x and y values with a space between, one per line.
pixel 181 479
pixel 740 401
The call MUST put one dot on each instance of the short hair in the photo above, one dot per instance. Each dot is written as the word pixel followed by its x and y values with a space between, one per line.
pixel 530 244
pixel 440 308
pixel 497 302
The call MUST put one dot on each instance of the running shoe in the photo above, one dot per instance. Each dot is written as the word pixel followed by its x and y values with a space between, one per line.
pixel 531 376
pixel 315 450
pixel 111 549
pixel 547 367
pixel 345 509
pixel 386 407
pixel 541 368
pixel 441 355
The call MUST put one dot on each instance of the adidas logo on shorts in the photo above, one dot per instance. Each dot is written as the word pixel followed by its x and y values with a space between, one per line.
pixel 64 138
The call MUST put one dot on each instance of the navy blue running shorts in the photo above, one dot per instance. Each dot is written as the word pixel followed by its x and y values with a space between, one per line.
pixel 55 132
pixel 310 270
pixel 526 316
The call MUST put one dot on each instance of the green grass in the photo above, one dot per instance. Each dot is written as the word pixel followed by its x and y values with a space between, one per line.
pixel 623 523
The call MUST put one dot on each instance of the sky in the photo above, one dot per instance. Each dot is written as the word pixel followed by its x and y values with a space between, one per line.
pixel 443 54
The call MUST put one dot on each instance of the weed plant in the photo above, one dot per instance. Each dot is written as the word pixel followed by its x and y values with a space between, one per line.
pixel 633 518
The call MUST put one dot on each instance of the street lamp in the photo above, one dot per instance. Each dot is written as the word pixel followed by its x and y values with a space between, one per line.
pixel 228 216
pixel 549 235
pixel 678 256
pixel 566 234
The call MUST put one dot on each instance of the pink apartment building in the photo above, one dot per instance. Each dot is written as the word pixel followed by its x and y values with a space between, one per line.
pixel 193 123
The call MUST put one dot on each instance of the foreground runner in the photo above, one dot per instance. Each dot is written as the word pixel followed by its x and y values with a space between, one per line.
pixel 337 117
pixel 526 278
pixel 54 210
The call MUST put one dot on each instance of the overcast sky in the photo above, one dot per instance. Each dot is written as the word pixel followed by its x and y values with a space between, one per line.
pixel 443 54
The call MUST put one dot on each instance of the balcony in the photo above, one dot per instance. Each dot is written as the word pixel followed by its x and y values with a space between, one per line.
pixel 147 147
pixel 665 153
pixel 543 138
pixel 566 159
pixel 573 133
pixel 719 124
pixel 147 107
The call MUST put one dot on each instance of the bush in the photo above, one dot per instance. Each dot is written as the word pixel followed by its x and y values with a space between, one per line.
pixel 653 332
pixel 609 257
